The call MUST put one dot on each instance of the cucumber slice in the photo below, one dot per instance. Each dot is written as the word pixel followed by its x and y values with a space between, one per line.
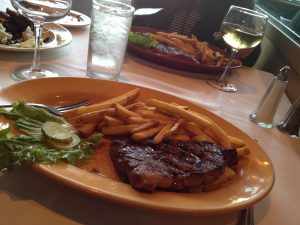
pixel 65 146
pixel 57 132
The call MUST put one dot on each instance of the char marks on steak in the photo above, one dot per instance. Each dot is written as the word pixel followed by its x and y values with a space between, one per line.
pixel 172 166
pixel 174 52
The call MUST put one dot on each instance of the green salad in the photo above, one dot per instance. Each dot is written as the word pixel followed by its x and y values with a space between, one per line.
pixel 43 138
pixel 4 36
pixel 142 39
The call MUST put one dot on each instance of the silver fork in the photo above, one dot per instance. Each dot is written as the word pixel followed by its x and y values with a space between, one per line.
pixel 56 110
pixel 246 217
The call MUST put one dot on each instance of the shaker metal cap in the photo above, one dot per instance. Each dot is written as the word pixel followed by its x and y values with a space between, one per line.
pixel 284 73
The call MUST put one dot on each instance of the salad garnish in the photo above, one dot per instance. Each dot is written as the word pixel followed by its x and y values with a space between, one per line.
pixel 38 139
pixel 142 39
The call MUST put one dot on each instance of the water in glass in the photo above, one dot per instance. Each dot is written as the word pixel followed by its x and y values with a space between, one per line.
pixel 111 22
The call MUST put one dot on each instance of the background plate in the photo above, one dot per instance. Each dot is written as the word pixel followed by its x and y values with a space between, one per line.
pixel 74 19
pixel 254 180
pixel 175 62
pixel 62 37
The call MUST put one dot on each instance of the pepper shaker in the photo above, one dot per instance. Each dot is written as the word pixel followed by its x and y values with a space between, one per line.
pixel 291 122
pixel 263 115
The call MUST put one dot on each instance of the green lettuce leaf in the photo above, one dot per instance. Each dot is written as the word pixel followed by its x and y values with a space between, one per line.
pixel 30 147
pixel 141 39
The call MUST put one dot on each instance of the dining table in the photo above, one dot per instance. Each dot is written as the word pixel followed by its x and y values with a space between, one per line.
pixel 29 198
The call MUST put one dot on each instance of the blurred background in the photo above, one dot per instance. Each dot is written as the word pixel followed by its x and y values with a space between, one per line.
pixel 281 42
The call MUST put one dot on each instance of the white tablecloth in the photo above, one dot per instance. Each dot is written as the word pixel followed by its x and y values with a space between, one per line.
pixel 28 198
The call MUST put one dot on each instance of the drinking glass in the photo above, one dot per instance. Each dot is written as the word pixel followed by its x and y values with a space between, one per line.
pixel 241 29
pixel 110 26
pixel 39 11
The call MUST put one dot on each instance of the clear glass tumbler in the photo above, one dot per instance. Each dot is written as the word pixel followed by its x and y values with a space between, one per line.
pixel 110 26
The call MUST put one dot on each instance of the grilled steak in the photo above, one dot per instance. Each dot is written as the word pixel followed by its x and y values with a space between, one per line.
pixel 173 166
pixel 175 52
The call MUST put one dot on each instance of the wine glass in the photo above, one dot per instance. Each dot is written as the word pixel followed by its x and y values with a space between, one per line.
pixel 241 29
pixel 39 11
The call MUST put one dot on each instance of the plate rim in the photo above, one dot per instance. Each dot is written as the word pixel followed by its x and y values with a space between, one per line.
pixel 9 48
pixel 46 169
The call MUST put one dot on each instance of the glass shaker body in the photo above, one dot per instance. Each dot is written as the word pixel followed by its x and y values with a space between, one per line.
pixel 291 122
pixel 263 115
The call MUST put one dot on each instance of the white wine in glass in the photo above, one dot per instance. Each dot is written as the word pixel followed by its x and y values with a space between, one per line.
pixel 39 11
pixel 241 29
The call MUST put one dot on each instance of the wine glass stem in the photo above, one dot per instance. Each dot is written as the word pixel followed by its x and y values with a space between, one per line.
pixel 38 28
pixel 223 77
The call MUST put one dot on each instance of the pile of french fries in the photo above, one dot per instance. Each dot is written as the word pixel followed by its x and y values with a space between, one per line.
pixel 153 119
pixel 192 46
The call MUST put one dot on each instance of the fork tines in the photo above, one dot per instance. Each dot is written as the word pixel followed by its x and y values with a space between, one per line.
pixel 68 107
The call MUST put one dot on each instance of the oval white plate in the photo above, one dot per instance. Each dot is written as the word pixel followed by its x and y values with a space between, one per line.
pixel 74 19
pixel 60 37
pixel 254 180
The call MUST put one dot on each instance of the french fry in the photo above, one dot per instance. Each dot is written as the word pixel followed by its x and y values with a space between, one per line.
pixel 179 111
pixel 168 113
pixel 91 117
pixel 118 130
pixel 156 116
pixel 140 136
pixel 87 129
pixel 180 44
pixel 175 127
pixel 193 128
pixel 180 130
pixel 198 138
pixel 209 133
pixel 137 120
pixel 220 58
pixel 180 106
pixel 162 133
pixel 145 126
pixel 183 38
pixel 236 142
pixel 122 100
pixel 148 108
pixel 100 125
pixel 179 137
pixel 199 135
pixel 163 34
pixel 202 51
pixel 143 111
pixel 125 113
pixel 243 151
pixel 135 105
pixel 215 132
pixel 112 121
pixel 225 177
pixel 202 137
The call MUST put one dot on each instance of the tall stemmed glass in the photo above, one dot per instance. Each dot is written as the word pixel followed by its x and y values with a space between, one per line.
pixel 241 29
pixel 39 11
